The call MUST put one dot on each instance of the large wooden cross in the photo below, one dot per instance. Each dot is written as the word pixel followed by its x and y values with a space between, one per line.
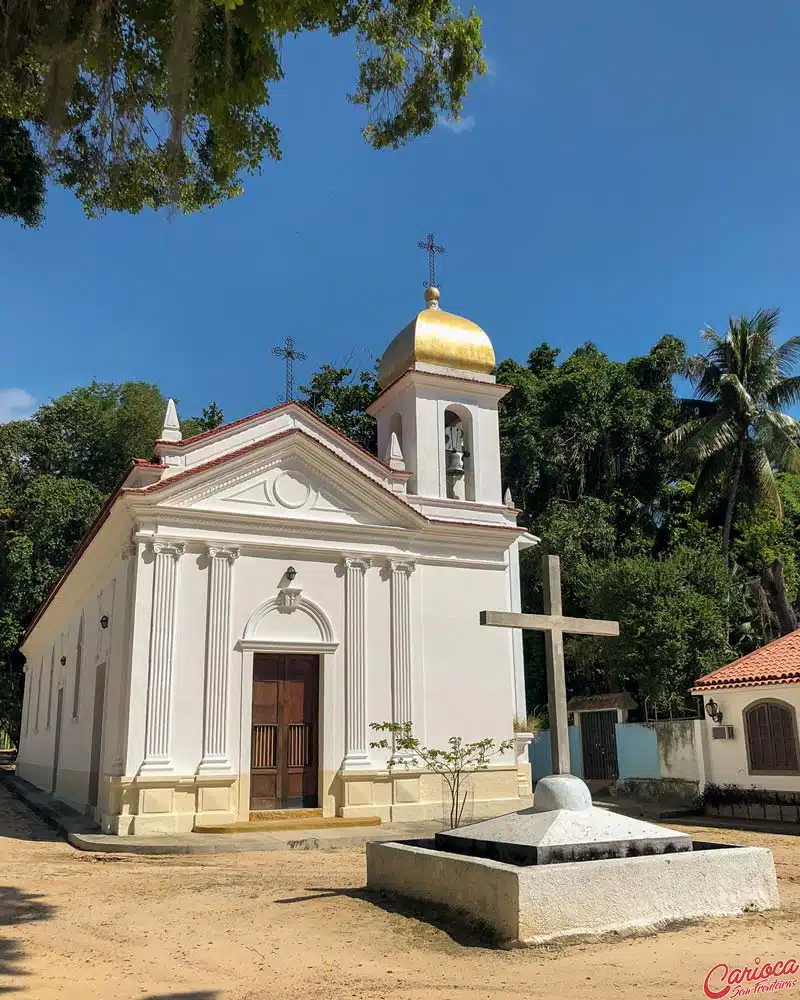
pixel 554 625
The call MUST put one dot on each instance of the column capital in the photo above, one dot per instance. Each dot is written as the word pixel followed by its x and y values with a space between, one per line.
pixel 174 549
pixel 227 552
pixel 406 566
pixel 361 563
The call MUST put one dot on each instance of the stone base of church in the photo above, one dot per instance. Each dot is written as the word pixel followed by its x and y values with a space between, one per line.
pixel 410 795
pixel 164 804
pixel 175 804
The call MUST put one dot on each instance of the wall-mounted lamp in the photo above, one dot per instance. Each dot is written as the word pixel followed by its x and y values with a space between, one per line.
pixel 713 712
pixel 63 661
pixel 291 573
pixel 104 621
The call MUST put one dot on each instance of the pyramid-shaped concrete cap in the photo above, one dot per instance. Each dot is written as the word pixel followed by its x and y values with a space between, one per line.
pixel 563 825
pixel 171 431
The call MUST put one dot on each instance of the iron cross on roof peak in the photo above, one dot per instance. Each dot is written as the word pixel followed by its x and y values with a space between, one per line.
pixel 290 354
pixel 430 246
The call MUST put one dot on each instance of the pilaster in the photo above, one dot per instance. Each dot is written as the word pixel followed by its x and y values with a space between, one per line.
pixel 130 555
pixel 357 755
pixel 401 650
pixel 215 708
pixel 158 723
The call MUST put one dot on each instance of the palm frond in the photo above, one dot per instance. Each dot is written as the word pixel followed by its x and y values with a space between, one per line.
pixel 786 357
pixel 760 470
pixel 736 396
pixel 711 472
pixel 677 438
pixel 716 434
pixel 786 392
pixel 779 434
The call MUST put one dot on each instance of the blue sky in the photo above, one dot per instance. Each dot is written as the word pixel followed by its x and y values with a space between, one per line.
pixel 627 169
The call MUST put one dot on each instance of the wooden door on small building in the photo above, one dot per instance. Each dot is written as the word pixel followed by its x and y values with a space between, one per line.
pixel 599 745
pixel 285 737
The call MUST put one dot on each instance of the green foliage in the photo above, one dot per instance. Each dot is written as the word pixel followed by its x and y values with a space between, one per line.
pixel 164 103
pixel 590 426
pixel 747 379
pixel 39 529
pixel 90 433
pixel 341 397
pixel 534 722
pixel 22 174
pixel 211 417
pixel 681 616
pixel 454 764
pixel 56 470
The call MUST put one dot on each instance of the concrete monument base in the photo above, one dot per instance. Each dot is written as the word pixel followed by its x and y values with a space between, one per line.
pixel 533 904
pixel 567 869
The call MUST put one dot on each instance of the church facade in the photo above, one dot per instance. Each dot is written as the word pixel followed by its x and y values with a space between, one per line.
pixel 251 599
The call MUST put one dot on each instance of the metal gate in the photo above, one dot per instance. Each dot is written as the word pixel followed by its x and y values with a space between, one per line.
pixel 599 745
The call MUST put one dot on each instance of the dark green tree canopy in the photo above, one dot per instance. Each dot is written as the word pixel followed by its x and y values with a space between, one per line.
pixel 163 103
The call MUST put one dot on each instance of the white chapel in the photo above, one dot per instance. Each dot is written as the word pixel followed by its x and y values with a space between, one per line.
pixel 251 599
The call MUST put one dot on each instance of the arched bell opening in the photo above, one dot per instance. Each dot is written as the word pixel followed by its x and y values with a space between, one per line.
pixel 459 467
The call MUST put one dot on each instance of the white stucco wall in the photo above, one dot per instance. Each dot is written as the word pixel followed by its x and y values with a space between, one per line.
pixel 726 760
pixel 468 667
pixel 677 754
pixel 98 589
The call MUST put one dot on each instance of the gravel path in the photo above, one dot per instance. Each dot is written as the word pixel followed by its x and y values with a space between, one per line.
pixel 298 924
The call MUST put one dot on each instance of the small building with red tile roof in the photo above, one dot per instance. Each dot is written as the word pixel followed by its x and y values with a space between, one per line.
pixel 750 737
pixel 251 599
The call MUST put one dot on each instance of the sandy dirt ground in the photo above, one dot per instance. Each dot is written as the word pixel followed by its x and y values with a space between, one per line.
pixel 298 924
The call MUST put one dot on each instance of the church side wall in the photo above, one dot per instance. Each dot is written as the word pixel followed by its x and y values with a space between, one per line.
pixel 91 594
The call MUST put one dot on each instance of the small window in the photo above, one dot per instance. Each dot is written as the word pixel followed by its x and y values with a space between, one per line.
pixel 771 731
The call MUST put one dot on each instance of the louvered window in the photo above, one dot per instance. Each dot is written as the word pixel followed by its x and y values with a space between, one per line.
pixel 771 737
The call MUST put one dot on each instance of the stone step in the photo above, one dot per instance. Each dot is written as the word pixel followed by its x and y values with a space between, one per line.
pixel 260 815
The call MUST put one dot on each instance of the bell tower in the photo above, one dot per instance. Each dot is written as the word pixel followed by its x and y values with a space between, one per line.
pixel 437 411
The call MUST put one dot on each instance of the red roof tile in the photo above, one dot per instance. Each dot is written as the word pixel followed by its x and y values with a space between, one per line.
pixel 776 663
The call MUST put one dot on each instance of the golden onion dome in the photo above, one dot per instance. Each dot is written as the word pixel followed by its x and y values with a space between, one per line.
pixel 436 337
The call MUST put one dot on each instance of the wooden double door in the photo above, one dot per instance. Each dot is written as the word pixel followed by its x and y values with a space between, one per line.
pixel 285 731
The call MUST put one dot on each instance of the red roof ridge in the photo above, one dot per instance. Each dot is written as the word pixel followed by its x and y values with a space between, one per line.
pixel 776 662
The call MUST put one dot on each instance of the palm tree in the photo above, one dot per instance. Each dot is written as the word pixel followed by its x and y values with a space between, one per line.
pixel 746 437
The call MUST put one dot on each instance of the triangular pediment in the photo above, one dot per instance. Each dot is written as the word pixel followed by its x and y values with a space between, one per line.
pixel 295 478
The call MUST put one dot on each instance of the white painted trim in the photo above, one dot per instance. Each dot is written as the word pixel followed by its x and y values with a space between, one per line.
pixel 333 552
pixel 309 608
pixel 272 646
